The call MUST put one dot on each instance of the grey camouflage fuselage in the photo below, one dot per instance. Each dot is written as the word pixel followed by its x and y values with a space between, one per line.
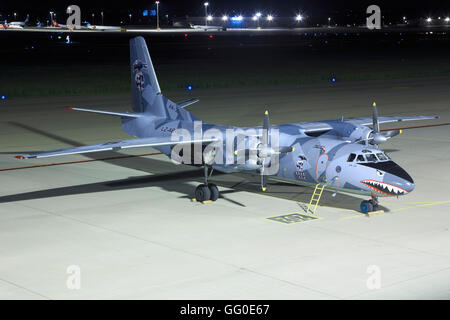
pixel 322 159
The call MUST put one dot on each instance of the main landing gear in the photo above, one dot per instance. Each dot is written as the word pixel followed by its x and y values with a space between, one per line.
pixel 206 191
pixel 370 205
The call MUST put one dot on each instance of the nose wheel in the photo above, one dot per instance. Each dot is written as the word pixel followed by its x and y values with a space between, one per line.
pixel 207 191
pixel 370 205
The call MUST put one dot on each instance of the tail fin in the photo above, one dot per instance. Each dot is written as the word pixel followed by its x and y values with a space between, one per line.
pixel 146 93
pixel 144 83
pixel 27 19
pixel 55 24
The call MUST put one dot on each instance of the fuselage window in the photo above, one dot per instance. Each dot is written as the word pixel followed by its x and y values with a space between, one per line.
pixel 371 157
pixel 381 156
pixel 360 158
pixel 351 157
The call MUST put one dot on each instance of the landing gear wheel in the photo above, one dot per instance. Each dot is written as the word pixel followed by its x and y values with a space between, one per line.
pixel 202 193
pixel 366 206
pixel 374 205
pixel 214 192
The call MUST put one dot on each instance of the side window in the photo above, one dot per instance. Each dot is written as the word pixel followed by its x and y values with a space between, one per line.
pixel 371 157
pixel 381 156
pixel 360 158
pixel 351 157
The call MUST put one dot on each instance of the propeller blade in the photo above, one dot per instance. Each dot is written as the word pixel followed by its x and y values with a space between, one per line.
pixel 391 133
pixel 376 125
pixel 265 135
pixel 247 152
pixel 263 182
pixel 284 149
pixel 382 137
pixel 263 176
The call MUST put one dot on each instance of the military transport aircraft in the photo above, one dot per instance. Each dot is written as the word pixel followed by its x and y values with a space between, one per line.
pixel 341 154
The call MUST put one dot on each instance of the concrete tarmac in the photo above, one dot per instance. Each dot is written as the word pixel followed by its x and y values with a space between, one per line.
pixel 129 227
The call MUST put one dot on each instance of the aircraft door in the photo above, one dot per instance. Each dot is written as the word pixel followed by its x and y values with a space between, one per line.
pixel 321 167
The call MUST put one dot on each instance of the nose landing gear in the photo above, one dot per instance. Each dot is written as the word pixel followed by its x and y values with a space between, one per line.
pixel 206 191
pixel 370 205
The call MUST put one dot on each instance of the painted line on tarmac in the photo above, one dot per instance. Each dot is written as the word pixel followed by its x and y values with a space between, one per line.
pixel 79 161
pixel 293 218
pixel 419 204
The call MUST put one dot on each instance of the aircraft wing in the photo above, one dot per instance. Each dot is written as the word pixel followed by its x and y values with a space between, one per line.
pixel 114 146
pixel 369 121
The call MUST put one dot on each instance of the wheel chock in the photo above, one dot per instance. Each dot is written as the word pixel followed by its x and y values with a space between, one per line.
pixel 203 202
pixel 372 213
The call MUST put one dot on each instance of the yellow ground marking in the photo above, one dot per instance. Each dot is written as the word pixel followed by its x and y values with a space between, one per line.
pixel 311 218
pixel 418 204
pixel 204 202
pixel 421 205
pixel 375 212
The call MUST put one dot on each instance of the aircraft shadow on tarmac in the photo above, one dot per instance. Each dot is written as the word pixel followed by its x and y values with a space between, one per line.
pixel 175 178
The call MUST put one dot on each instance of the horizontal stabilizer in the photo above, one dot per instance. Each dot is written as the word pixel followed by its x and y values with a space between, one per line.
pixel 114 146
pixel 184 104
pixel 110 113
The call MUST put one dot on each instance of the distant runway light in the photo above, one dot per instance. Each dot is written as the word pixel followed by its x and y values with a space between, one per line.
pixel 224 18
pixel 185 35
pixel 447 19
pixel 238 18
pixel 429 19
pixel 258 14
pixel 255 18
pixel 269 18
pixel 210 36
pixel 3 97
pixel 209 18
pixel 333 79
pixel 299 17
pixel 189 88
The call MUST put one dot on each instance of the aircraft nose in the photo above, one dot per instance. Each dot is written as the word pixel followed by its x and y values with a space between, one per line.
pixel 406 185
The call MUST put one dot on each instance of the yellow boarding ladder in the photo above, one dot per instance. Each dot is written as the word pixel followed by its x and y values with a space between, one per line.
pixel 318 190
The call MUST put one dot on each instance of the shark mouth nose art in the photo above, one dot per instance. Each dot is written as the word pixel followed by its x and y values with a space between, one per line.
pixel 384 188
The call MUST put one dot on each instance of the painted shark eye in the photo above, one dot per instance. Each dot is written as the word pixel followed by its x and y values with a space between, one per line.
pixel 379 173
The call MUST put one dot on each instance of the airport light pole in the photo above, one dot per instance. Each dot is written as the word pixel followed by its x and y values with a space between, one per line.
pixel 157 15
pixel 258 15
pixel 93 18
pixel 329 21
pixel 102 17
pixel 130 17
pixel 206 4
pixel 224 19
pixel 51 16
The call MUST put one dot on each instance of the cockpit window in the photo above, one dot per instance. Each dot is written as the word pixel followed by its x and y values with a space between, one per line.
pixel 381 156
pixel 351 157
pixel 371 157
pixel 360 158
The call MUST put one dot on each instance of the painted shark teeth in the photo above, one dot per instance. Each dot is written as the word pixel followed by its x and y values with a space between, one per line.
pixel 384 187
